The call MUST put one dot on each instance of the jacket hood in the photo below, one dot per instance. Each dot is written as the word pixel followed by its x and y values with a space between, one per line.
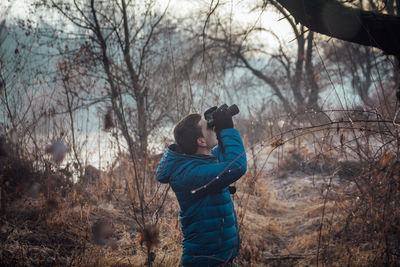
pixel 172 159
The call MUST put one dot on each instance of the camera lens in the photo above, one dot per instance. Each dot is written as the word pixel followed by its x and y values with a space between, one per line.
pixel 233 110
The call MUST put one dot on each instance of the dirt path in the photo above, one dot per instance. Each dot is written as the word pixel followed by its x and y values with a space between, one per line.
pixel 286 221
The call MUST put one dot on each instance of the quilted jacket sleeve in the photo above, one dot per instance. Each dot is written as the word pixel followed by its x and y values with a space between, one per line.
pixel 232 164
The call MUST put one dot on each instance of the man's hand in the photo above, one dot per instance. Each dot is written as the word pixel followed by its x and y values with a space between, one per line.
pixel 208 112
pixel 222 119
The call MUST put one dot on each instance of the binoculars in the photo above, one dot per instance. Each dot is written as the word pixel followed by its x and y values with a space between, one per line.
pixel 233 110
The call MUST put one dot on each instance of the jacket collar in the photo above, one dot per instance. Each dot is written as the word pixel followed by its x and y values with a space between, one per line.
pixel 175 149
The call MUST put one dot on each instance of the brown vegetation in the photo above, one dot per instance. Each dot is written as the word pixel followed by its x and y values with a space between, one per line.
pixel 322 186
pixel 309 207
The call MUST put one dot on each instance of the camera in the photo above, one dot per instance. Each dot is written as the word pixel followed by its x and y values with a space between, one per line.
pixel 233 110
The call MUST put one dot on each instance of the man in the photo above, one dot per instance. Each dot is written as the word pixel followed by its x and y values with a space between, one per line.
pixel 200 172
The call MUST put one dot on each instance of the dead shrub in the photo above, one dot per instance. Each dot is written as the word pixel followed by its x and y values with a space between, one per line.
pixel 299 160
pixel 367 232
pixel 17 176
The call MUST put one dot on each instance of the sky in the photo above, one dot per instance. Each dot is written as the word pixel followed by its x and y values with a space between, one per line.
pixel 239 10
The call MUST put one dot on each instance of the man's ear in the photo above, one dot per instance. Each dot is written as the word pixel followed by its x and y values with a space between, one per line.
pixel 201 141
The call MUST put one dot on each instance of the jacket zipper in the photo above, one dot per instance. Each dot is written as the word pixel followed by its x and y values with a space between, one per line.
pixel 221 233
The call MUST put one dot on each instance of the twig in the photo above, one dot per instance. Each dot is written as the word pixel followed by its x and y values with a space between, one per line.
pixel 287 257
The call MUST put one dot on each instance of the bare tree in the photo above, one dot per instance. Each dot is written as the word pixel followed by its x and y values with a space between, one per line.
pixel 292 79
pixel 364 65
pixel 20 109
pixel 332 18
pixel 126 46
pixel 118 55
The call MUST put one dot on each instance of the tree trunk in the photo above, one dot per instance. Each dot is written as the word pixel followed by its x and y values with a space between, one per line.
pixel 313 91
pixel 142 124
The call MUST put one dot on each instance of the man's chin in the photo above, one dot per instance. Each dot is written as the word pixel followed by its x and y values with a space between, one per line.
pixel 211 146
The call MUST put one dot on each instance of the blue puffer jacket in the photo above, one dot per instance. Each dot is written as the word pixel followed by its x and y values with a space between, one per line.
pixel 207 214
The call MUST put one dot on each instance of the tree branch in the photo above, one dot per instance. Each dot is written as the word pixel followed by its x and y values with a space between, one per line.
pixel 267 80
pixel 334 19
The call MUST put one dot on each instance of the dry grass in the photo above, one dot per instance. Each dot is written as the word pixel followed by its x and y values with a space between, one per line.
pixel 303 219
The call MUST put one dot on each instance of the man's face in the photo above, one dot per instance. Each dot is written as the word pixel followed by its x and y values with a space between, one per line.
pixel 209 135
